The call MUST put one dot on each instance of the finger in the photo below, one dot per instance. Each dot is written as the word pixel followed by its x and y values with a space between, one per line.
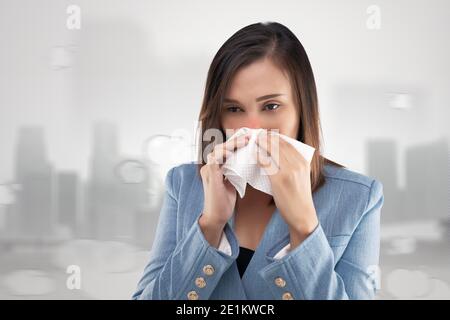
pixel 285 154
pixel 222 151
pixel 263 158
pixel 266 162
pixel 266 154
pixel 292 155
pixel 217 156
pixel 270 143
pixel 236 142
pixel 230 146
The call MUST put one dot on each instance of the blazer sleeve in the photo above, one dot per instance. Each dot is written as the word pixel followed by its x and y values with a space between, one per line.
pixel 188 269
pixel 310 272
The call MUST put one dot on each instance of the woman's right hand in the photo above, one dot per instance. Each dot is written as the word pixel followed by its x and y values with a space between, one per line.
pixel 219 193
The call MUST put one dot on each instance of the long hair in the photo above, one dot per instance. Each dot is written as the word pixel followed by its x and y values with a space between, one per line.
pixel 254 42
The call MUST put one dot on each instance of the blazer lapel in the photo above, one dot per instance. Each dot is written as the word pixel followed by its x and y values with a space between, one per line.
pixel 275 237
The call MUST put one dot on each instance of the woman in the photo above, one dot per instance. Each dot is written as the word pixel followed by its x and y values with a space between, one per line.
pixel 317 237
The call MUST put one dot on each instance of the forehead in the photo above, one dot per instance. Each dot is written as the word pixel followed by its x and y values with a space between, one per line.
pixel 259 78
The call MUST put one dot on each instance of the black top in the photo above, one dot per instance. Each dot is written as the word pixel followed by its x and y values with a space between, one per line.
pixel 245 255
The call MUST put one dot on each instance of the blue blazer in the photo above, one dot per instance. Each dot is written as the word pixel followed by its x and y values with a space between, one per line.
pixel 338 260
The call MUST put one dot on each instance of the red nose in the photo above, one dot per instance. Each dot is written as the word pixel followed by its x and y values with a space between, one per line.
pixel 253 123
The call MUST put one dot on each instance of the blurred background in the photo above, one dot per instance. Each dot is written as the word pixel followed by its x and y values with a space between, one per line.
pixel 98 99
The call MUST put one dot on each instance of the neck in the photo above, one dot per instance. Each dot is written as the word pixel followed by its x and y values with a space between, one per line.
pixel 254 197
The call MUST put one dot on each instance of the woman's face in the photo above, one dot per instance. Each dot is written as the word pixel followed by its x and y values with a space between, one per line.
pixel 260 96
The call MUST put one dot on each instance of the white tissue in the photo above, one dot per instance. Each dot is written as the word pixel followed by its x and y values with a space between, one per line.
pixel 241 166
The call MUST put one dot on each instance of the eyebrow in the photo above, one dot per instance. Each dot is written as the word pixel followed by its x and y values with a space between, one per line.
pixel 268 96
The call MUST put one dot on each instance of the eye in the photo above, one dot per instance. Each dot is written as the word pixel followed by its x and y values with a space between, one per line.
pixel 233 109
pixel 272 106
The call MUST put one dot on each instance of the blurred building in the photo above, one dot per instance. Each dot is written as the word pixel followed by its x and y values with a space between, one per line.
pixel 112 205
pixel 32 215
pixel 68 201
pixel 427 171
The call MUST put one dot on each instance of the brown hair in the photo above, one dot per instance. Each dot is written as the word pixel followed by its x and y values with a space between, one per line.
pixel 253 42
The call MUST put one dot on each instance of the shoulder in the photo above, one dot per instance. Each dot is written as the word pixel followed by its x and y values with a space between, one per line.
pixel 182 176
pixel 346 176
pixel 352 187
pixel 184 172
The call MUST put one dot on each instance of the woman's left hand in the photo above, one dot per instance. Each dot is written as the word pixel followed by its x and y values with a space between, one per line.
pixel 289 174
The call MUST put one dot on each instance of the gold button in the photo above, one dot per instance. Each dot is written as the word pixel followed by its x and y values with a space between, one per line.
pixel 192 295
pixel 208 269
pixel 200 282
pixel 287 296
pixel 280 282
